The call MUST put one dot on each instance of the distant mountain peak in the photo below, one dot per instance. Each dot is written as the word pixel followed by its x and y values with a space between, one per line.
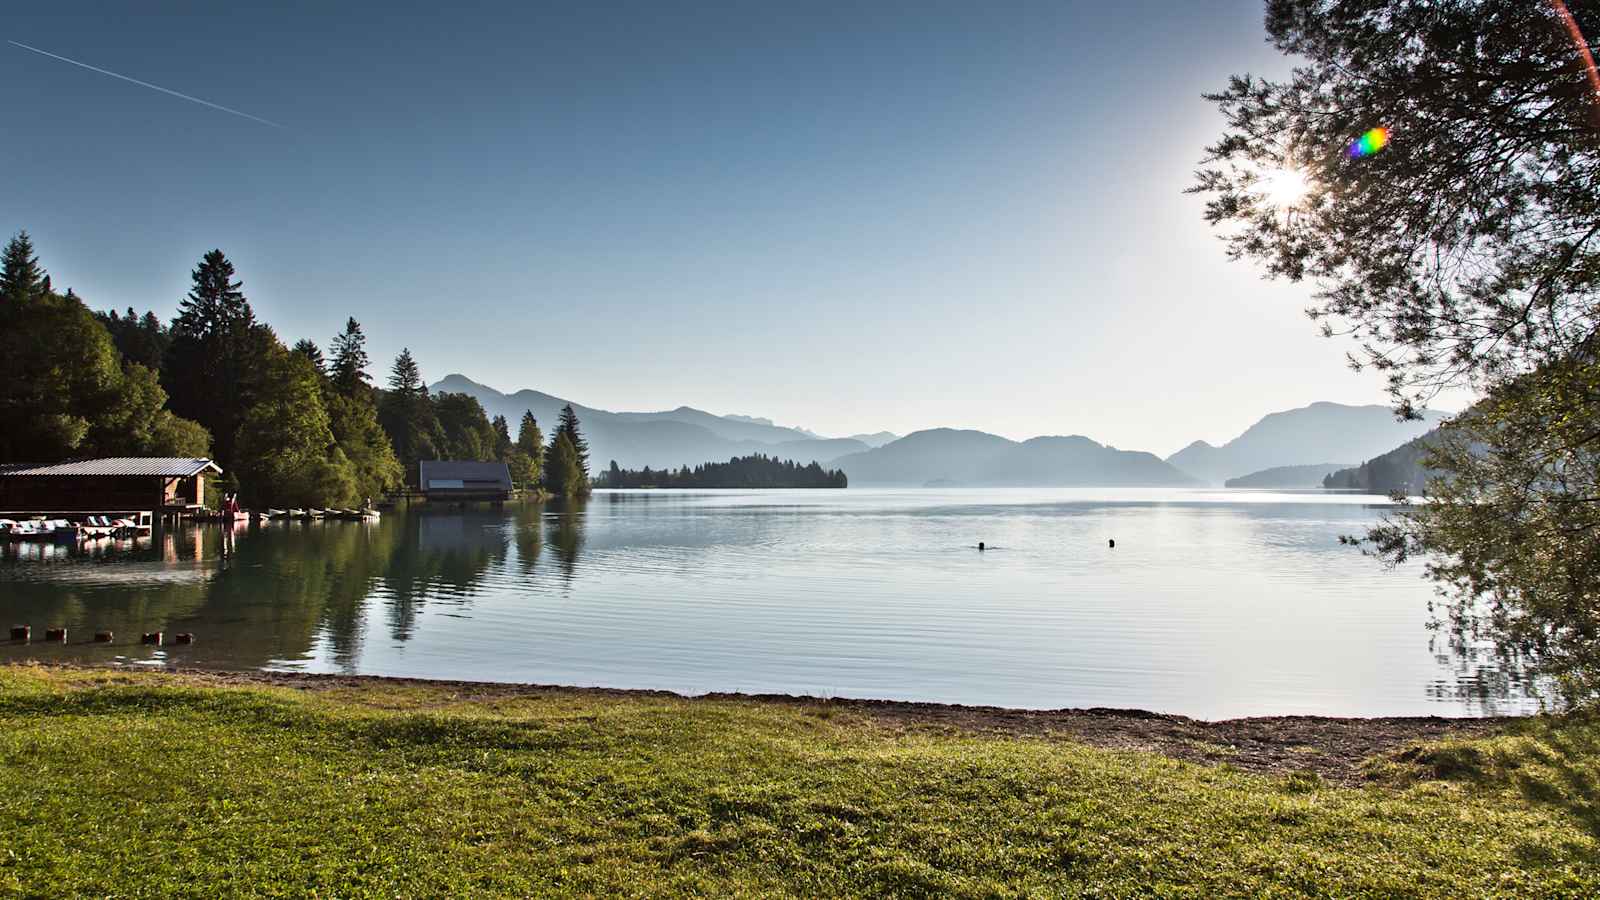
pixel 1301 437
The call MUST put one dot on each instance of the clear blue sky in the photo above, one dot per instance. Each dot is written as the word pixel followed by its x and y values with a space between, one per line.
pixel 845 217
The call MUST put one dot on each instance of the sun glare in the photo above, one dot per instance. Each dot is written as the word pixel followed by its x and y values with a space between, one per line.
pixel 1284 187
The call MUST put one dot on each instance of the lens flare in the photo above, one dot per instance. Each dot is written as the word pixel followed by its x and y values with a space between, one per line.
pixel 1369 143
pixel 1581 44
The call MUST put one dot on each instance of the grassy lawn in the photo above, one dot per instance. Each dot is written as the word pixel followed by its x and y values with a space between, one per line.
pixel 148 784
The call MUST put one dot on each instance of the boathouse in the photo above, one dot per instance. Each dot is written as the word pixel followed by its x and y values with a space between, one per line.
pixel 119 484
pixel 452 479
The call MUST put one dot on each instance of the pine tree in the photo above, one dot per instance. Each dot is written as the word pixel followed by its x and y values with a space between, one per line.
pixel 405 378
pixel 407 416
pixel 308 348
pixel 348 368
pixel 569 427
pixel 563 473
pixel 217 354
pixel 21 277
pixel 529 452
pixel 502 438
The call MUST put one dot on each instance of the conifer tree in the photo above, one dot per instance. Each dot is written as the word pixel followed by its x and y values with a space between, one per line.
pixel 407 416
pixel 527 457
pixel 569 426
pixel 502 438
pixel 22 279
pixel 217 353
pixel 308 348
pixel 348 368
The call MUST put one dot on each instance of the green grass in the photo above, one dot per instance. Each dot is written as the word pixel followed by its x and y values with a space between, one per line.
pixel 143 784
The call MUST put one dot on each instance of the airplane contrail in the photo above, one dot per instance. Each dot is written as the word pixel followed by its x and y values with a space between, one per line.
pixel 153 87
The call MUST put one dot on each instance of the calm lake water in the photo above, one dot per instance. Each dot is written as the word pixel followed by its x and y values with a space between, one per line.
pixel 1213 603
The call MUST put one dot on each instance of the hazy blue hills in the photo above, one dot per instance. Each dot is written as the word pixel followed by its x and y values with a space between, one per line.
pixel 876 439
pixel 1270 454
pixel 682 436
pixel 959 457
pixel 1294 437
pixel 1287 477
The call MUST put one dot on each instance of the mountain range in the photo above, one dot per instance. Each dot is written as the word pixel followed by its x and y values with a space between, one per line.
pixel 1302 436
pixel 1271 453
pixel 947 456
pixel 682 436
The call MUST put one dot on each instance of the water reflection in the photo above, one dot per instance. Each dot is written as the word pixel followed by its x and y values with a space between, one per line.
pixel 1208 606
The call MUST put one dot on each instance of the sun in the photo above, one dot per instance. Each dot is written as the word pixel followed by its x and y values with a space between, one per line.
pixel 1285 188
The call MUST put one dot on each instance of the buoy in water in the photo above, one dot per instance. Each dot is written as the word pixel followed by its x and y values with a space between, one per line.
pixel 55 635
pixel 103 637
pixel 21 633
pixel 185 637
pixel 1112 543
pixel 980 545
pixel 151 637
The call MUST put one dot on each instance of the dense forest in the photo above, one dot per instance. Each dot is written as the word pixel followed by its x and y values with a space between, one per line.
pixel 754 471
pixel 289 426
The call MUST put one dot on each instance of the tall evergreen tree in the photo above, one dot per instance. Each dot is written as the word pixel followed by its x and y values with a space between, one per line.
pixel 407 416
pixel 502 438
pixel 22 279
pixel 569 426
pixel 563 474
pixel 405 378
pixel 348 368
pixel 217 352
pixel 308 348
pixel 527 457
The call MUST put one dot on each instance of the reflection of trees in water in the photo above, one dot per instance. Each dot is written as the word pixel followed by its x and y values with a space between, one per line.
pixel 527 532
pixel 566 534
pixel 440 553
pixel 1482 678
pixel 283 583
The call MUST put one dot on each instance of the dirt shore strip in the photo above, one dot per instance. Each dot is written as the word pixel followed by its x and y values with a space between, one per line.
pixel 1333 748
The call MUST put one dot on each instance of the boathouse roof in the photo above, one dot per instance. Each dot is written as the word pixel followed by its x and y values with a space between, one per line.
pixel 116 466
pixel 451 475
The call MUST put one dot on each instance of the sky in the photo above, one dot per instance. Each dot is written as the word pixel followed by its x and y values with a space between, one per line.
pixel 843 217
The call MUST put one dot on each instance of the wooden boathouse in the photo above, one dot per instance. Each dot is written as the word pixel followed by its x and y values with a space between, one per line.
pixel 450 479
pixel 164 486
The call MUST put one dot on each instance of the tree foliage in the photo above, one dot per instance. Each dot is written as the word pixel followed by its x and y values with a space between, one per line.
pixel 348 368
pixel 754 471
pixel 563 473
pixel 64 390
pixel 308 348
pixel 217 353
pixel 1466 249
pixel 407 415
pixel 526 459
pixel 140 339
pixel 287 453
pixel 1465 252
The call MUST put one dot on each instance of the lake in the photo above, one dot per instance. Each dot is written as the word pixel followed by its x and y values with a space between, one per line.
pixel 1212 604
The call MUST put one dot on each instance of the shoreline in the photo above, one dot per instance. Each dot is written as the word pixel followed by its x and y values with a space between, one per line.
pixel 1333 747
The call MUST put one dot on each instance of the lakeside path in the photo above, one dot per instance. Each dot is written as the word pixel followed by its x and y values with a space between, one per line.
pixel 149 783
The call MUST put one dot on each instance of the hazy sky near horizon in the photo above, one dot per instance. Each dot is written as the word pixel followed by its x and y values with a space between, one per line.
pixel 844 217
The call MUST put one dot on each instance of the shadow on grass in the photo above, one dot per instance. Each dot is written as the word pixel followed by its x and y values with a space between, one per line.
pixel 1554 762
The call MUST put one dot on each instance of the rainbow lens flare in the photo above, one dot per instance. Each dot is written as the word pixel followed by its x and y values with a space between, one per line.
pixel 1369 143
